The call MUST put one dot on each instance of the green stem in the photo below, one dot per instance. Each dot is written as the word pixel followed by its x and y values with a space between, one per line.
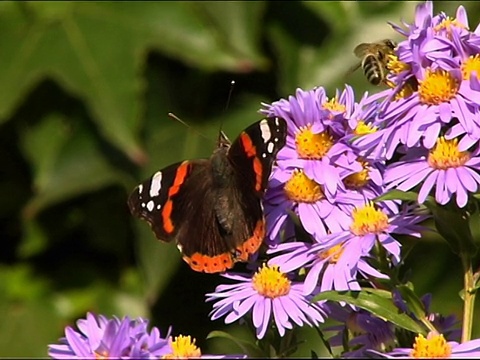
pixel 468 297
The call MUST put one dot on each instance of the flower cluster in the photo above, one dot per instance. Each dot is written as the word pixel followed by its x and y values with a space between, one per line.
pixel 327 230
pixel 98 337
pixel 434 118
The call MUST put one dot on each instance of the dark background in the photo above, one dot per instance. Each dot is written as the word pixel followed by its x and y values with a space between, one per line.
pixel 85 89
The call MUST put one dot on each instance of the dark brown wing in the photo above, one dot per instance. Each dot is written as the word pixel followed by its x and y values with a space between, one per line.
pixel 252 154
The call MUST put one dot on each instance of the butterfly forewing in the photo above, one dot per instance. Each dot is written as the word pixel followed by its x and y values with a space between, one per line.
pixel 153 200
pixel 253 152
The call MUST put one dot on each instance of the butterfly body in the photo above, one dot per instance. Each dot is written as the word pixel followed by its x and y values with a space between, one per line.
pixel 212 208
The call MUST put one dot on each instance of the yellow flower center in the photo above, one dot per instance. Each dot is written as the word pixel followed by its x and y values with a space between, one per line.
pixel 183 347
pixel 333 254
pixel 300 188
pixel 434 346
pixel 368 220
pixel 101 355
pixel 471 64
pixel 437 87
pixel 312 146
pixel 396 66
pixel 359 179
pixel 364 129
pixel 445 154
pixel 448 24
pixel 271 282
pixel 334 105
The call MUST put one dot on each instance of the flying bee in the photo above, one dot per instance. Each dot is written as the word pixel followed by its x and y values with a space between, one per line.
pixel 374 59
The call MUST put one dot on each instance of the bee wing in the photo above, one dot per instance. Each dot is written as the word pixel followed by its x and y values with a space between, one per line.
pixel 361 49
pixel 352 69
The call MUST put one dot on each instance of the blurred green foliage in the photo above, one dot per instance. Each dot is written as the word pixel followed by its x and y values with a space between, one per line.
pixel 84 96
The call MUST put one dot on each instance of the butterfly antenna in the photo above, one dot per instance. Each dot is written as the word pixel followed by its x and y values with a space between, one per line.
pixel 175 117
pixel 230 92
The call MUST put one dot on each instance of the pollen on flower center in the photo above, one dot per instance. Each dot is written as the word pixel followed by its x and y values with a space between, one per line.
pixel 333 254
pixel 445 154
pixel 434 346
pixel 334 105
pixel 437 87
pixel 271 282
pixel 300 188
pixel 368 220
pixel 359 179
pixel 183 347
pixel 469 65
pixel 396 66
pixel 312 146
pixel 101 355
pixel 447 24
pixel 363 129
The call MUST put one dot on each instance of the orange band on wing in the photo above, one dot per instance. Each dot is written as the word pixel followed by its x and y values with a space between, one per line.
pixel 251 151
pixel 182 172
pixel 210 264
pixel 252 244
pixel 258 168
pixel 248 145
pixel 166 217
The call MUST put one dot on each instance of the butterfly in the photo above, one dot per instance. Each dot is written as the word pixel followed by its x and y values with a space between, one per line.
pixel 212 208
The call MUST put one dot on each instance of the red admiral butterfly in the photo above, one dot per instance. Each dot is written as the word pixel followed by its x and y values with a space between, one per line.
pixel 213 207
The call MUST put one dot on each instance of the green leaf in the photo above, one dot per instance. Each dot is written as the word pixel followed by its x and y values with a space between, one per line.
pixel 66 163
pixel 414 304
pixel 28 327
pixel 337 14
pixel 236 25
pixel 375 302
pixel 247 347
pixel 158 261
pixel 307 65
pixel 452 223
pixel 96 51
pixel 397 195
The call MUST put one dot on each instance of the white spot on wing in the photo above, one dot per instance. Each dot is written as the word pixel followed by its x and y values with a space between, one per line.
pixel 140 188
pixel 150 205
pixel 277 122
pixel 266 134
pixel 270 147
pixel 156 184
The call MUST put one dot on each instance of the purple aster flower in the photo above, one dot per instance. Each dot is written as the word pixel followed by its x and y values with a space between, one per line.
pixel 434 74
pixel 183 347
pixel 110 338
pixel 335 261
pixel 270 296
pixel 446 325
pixel 319 174
pixel 444 169
pixel 435 346
pixel 363 331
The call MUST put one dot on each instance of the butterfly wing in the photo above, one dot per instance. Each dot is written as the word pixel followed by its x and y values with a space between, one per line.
pixel 254 151
pixel 252 155
pixel 179 204
pixel 214 224
pixel 152 200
